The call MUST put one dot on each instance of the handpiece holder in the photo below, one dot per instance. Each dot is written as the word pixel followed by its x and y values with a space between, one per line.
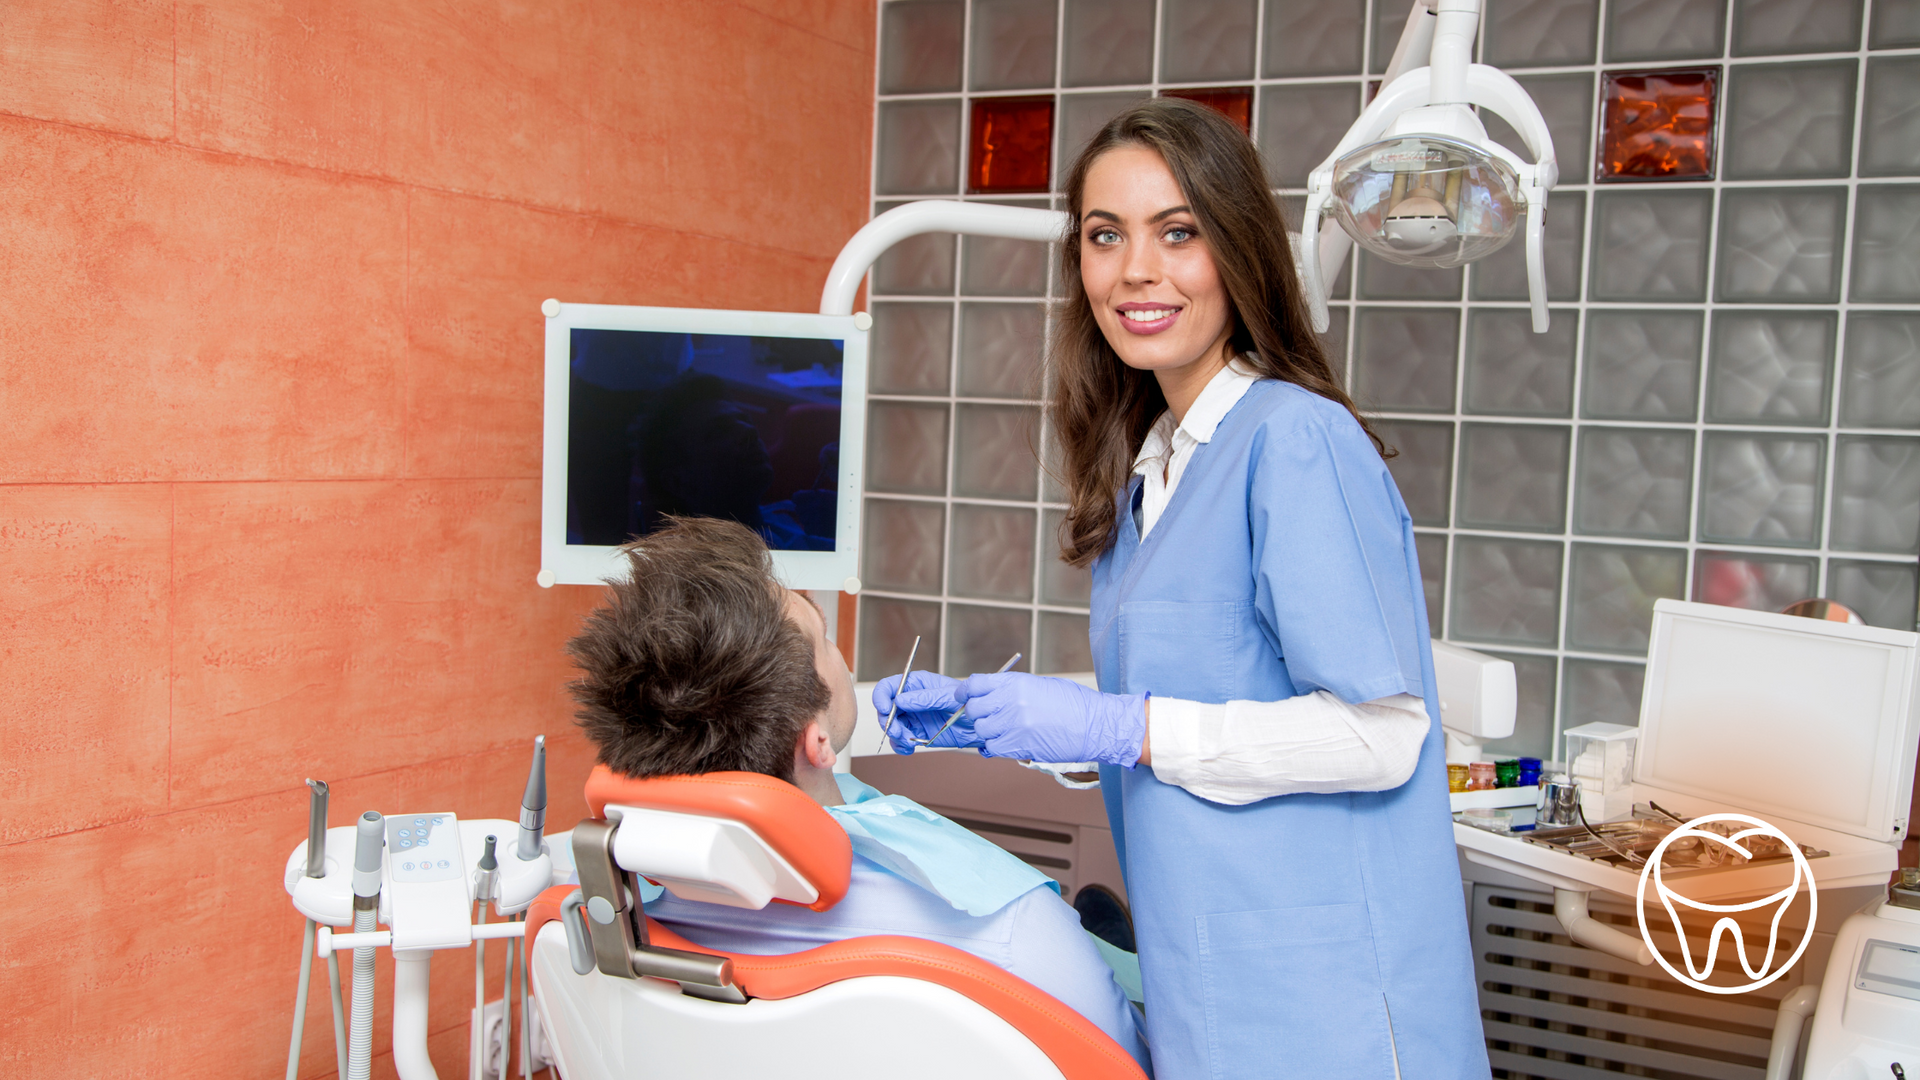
pixel 328 899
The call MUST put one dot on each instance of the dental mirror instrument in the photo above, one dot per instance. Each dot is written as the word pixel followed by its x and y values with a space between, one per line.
pixel 1004 668
pixel 887 732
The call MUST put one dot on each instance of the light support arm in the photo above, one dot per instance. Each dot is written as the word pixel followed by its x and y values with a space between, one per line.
pixel 1456 24
pixel 1416 41
pixel 928 216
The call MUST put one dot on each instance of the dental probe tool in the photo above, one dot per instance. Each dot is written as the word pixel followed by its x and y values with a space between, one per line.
pixel 533 805
pixel 887 732
pixel 1004 668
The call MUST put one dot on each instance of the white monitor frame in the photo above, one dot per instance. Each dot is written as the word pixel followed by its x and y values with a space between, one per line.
pixel 562 563
pixel 1740 706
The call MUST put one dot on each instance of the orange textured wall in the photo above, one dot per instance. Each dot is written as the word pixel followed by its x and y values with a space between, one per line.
pixel 270 357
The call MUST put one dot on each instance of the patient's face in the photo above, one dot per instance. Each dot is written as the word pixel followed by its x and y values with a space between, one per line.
pixel 840 715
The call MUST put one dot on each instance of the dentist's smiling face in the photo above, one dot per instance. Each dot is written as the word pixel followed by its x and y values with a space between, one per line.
pixel 1148 271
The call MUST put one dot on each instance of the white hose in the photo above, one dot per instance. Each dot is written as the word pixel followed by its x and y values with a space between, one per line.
pixel 479 1039
pixel 506 1015
pixel 527 1013
pixel 339 1014
pixel 300 1002
pixel 360 1030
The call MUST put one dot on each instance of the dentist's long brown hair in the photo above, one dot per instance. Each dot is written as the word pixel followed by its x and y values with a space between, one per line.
pixel 1100 408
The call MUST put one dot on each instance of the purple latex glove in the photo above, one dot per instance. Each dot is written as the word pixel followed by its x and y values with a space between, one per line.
pixel 924 707
pixel 1035 718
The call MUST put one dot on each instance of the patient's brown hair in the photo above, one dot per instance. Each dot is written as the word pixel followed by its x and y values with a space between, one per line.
pixel 692 665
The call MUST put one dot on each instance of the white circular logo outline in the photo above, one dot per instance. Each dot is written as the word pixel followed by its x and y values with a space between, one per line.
pixel 1801 868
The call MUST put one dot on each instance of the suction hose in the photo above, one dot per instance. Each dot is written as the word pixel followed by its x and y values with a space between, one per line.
pixel 482 893
pixel 367 842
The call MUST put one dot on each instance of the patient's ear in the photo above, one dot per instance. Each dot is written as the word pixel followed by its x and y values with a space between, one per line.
pixel 815 747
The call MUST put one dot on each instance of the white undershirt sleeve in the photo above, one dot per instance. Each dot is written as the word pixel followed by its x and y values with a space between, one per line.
pixel 1244 751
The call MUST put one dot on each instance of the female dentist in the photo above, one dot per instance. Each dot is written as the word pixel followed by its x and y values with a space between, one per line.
pixel 1266 727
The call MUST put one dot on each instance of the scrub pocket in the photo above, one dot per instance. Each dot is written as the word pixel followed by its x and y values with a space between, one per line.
pixel 1180 649
pixel 1293 992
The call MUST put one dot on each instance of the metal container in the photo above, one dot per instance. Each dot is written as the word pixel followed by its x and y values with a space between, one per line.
pixel 1559 802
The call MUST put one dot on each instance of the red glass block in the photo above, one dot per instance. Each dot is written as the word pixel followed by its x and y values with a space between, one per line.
pixel 1658 125
pixel 1011 145
pixel 1233 102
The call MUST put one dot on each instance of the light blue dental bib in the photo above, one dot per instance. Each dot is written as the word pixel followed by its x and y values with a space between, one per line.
pixel 1277 938
pixel 973 874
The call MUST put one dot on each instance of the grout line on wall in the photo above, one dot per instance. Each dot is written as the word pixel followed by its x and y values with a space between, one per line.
pixel 601 216
pixel 173 100
pixel 406 351
pixel 172 572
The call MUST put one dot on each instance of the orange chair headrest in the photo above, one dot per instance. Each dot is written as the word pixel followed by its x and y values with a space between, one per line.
pixel 785 817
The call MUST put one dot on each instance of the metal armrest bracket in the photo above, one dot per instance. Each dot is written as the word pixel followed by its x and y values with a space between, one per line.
pixel 617 927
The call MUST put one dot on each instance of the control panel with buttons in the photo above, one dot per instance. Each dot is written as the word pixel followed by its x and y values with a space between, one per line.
pixel 424 848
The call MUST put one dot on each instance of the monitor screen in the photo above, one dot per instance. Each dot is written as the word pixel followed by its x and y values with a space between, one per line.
pixel 660 412
pixel 703 425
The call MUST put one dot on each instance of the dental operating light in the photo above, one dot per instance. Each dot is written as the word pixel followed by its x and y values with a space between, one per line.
pixel 1416 181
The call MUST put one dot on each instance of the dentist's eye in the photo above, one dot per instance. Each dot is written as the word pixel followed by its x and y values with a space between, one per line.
pixel 1180 234
pixel 1104 237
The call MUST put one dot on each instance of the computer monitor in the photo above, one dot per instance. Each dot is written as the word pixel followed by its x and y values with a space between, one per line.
pixel 757 416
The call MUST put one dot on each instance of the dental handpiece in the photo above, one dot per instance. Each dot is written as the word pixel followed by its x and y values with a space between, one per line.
pixel 1004 668
pixel 370 835
pixel 533 805
pixel 317 829
pixel 484 875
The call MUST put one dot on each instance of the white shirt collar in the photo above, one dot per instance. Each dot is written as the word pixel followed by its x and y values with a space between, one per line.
pixel 1216 400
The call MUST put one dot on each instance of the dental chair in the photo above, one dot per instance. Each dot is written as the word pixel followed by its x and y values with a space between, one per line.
pixel 621 997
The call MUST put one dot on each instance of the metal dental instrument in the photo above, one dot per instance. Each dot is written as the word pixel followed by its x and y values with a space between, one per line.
pixel 1631 858
pixel 533 805
pixel 1677 819
pixel 1011 660
pixel 887 732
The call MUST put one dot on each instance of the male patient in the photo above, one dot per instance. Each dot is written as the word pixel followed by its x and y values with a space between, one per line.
pixel 700 661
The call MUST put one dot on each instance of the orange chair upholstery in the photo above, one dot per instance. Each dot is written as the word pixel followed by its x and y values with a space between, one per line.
pixel 808 838
pixel 1075 1045
pixel 783 815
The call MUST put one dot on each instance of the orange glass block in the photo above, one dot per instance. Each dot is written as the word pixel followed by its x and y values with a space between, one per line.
pixel 1233 102
pixel 1658 125
pixel 1011 145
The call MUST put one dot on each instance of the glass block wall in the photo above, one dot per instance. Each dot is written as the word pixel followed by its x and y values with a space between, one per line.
pixel 1725 408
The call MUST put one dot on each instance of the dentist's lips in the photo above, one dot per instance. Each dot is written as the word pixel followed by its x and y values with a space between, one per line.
pixel 1147 319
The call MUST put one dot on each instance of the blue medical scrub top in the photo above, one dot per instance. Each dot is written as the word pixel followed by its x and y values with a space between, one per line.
pixel 1277 938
